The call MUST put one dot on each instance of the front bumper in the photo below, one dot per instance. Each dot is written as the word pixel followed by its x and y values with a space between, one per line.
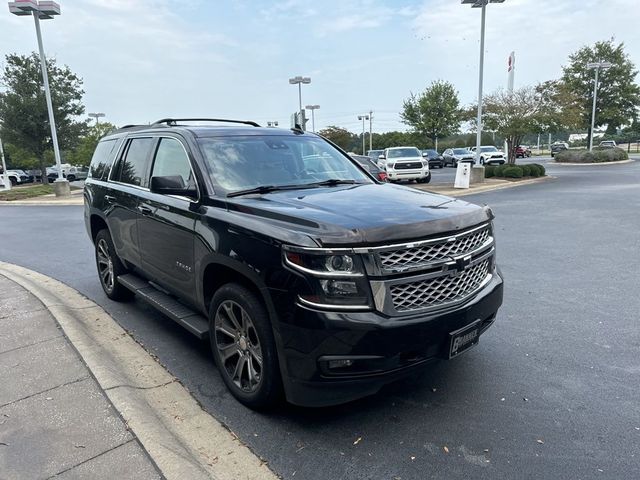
pixel 408 174
pixel 382 349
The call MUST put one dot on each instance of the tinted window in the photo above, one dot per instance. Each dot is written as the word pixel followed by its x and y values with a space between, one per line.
pixel 238 163
pixel 133 167
pixel 460 151
pixel 403 152
pixel 172 160
pixel 102 159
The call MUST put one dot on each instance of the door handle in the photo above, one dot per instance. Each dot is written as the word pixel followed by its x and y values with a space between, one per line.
pixel 144 210
pixel 109 198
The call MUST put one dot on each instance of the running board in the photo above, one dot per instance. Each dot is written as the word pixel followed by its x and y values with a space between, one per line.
pixel 169 306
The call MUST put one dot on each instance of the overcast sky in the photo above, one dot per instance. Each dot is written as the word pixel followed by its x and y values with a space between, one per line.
pixel 142 60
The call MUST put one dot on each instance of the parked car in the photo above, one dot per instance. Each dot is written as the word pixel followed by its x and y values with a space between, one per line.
pixel 405 163
pixel 18 177
pixel 435 159
pixel 490 155
pixel 69 172
pixel 608 144
pixel 558 147
pixel 523 151
pixel 452 156
pixel 371 167
pixel 374 154
pixel 264 242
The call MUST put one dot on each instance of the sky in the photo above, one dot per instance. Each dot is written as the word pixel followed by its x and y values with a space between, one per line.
pixel 142 60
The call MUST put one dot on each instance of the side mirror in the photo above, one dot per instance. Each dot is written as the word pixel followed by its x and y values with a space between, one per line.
pixel 381 157
pixel 425 154
pixel 172 185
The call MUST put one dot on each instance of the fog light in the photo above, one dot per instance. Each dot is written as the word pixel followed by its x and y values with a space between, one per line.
pixel 339 287
pixel 340 363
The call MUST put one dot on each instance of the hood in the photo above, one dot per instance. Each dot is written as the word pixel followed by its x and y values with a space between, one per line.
pixel 370 214
pixel 404 159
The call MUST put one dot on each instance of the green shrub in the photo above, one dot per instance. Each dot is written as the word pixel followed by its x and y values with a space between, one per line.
pixel 499 171
pixel 598 155
pixel 526 170
pixel 541 170
pixel 489 171
pixel 512 171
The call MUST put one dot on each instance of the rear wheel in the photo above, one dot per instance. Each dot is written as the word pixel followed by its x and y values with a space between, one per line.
pixel 243 346
pixel 110 267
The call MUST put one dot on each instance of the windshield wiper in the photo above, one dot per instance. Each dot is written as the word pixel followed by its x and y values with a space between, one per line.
pixel 332 181
pixel 265 189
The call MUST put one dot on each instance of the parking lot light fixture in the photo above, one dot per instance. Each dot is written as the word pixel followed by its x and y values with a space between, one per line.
pixel 313 117
pixel 299 80
pixel 97 116
pixel 597 66
pixel 44 10
pixel 480 4
pixel 363 118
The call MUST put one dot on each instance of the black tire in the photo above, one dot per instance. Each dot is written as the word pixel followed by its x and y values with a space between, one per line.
pixel 71 178
pixel 247 344
pixel 110 267
pixel 13 181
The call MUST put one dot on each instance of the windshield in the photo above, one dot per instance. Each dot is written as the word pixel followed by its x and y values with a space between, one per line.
pixel 240 163
pixel 403 152
pixel 431 153
pixel 460 151
pixel 488 149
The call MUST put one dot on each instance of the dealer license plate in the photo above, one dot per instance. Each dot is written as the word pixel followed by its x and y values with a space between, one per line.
pixel 463 339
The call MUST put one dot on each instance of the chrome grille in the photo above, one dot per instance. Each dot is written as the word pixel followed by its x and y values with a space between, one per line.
pixel 440 290
pixel 441 249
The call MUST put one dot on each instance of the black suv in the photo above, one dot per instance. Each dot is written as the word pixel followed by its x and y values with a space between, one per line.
pixel 308 276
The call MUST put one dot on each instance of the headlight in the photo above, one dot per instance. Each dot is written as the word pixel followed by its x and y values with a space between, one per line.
pixel 336 278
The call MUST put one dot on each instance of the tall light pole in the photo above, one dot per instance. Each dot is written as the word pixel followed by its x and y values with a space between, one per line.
pixel 97 116
pixel 597 66
pixel 299 80
pixel 370 129
pixel 6 183
pixel 313 117
pixel 44 10
pixel 363 118
pixel 480 4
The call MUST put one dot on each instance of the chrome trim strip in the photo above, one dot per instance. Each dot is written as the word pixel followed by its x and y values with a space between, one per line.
pixel 421 243
pixel 325 306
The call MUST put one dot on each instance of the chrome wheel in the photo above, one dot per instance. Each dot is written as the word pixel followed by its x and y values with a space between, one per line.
pixel 238 346
pixel 105 265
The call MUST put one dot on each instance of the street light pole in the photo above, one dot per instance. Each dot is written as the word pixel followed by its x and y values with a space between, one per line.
pixel 480 4
pixel 44 10
pixel 597 66
pixel 370 129
pixel 363 118
pixel 96 116
pixel 313 108
pixel 299 80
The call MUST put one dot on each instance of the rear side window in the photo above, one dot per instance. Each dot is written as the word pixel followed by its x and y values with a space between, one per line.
pixel 172 160
pixel 102 159
pixel 133 167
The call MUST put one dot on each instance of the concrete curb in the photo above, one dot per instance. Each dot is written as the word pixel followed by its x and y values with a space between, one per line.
pixel 619 162
pixel 181 438
pixel 458 192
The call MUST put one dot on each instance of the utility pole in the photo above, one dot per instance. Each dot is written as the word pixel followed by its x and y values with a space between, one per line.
pixel 363 118
pixel 370 129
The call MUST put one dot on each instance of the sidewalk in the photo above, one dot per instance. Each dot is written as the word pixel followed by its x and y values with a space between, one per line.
pixel 81 398
pixel 76 198
pixel 488 185
pixel 55 420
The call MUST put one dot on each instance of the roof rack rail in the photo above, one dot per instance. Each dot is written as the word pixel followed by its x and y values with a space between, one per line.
pixel 173 121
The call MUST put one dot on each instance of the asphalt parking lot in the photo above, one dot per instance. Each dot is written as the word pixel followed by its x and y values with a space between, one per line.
pixel 551 391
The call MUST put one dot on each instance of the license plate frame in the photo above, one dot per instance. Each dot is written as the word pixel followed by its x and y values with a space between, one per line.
pixel 463 339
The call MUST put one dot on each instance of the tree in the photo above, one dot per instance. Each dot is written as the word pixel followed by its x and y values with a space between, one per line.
pixel 514 114
pixel 23 109
pixel 340 136
pixel 435 113
pixel 87 144
pixel 618 94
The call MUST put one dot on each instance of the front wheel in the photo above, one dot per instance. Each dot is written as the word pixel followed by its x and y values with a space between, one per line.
pixel 110 268
pixel 243 346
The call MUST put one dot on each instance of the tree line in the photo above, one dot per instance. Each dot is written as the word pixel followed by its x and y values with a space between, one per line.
pixel 556 106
